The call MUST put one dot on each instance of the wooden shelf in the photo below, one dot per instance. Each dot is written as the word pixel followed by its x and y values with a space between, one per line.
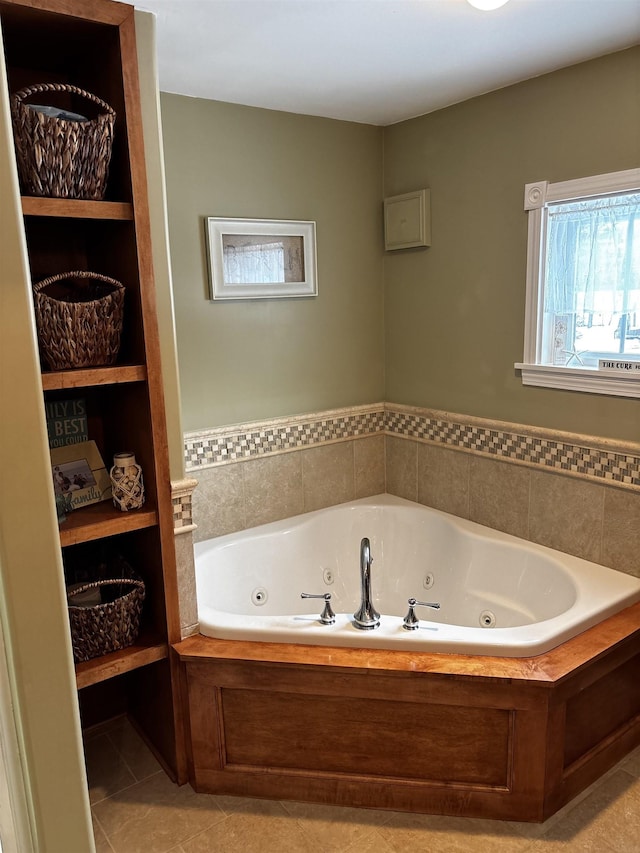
pixel 88 376
pixel 76 208
pixel 102 519
pixel 59 40
pixel 145 651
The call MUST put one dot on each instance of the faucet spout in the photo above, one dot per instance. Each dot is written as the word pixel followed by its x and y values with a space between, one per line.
pixel 366 617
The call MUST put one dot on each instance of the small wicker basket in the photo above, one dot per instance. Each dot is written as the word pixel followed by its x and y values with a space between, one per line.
pixel 60 157
pixel 114 624
pixel 79 319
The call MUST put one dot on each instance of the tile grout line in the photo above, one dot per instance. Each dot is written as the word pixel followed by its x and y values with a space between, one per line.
pixel 126 788
pixel 122 757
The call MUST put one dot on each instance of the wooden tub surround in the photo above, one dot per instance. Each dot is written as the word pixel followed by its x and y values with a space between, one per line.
pixel 505 738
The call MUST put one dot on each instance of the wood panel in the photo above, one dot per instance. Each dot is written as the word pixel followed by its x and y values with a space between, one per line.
pixel 379 738
pixel 597 711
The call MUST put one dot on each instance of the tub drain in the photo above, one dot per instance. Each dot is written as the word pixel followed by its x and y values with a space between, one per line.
pixel 488 619
pixel 259 596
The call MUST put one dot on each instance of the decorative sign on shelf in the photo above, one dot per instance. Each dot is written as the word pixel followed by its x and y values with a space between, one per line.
pixel 66 422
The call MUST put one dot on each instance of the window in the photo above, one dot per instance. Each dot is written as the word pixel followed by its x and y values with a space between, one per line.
pixel 582 325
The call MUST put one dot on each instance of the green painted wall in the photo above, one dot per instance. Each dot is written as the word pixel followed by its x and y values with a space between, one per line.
pixel 242 361
pixel 447 328
pixel 454 313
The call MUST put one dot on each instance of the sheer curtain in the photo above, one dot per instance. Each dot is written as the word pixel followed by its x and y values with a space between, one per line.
pixel 254 263
pixel 593 258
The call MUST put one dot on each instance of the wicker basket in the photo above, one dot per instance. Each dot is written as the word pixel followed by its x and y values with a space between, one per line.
pixel 79 319
pixel 114 624
pixel 60 157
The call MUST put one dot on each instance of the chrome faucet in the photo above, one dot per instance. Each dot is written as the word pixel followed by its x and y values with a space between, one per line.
pixel 367 617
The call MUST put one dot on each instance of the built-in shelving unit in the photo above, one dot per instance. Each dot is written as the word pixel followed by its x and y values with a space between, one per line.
pixel 91 44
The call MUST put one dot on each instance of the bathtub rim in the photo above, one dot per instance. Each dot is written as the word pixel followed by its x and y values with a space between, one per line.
pixel 549 668
pixel 499 642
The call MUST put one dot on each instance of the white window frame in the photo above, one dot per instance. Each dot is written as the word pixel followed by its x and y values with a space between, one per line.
pixel 536 198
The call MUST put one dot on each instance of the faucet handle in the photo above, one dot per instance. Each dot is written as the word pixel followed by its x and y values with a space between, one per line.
pixel 411 621
pixel 327 617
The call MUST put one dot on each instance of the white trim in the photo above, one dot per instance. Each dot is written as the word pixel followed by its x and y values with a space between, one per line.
pixel 532 312
pixel 540 193
pixel 15 823
pixel 579 379
pixel 535 195
pixel 609 184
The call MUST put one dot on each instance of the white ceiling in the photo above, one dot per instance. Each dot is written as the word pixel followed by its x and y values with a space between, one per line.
pixel 375 61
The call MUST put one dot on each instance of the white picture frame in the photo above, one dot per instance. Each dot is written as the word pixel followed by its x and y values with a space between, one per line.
pixel 261 258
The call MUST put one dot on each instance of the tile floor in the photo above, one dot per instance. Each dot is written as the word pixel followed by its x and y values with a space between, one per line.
pixel 137 809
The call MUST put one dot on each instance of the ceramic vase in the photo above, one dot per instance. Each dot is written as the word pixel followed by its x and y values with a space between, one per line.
pixel 127 486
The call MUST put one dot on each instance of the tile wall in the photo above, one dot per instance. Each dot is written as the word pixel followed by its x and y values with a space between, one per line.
pixel 578 494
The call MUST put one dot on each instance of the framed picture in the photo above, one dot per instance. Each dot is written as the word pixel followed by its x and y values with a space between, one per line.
pixel 261 258
pixel 79 474
pixel 407 220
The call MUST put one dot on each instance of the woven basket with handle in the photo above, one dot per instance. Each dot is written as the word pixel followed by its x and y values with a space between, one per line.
pixel 79 319
pixel 114 624
pixel 60 157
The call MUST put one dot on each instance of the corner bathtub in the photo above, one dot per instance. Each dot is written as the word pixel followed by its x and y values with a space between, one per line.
pixel 499 595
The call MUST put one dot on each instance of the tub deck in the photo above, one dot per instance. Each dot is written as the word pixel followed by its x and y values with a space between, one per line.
pixel 508 738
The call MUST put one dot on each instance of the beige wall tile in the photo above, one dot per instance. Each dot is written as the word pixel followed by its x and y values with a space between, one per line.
pixel 499 495
pixel 218 502
pixel 566 514
pixel 328 475
pixel 186 580
pixel 368 455
pixel 443 479
pixel 621 535
pixel 402 467
pixel 272 488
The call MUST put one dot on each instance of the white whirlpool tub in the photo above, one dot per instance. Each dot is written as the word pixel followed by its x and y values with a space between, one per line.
pixel 498 595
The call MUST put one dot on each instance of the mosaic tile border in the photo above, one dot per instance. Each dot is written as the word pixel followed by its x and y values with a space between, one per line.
pixel 581 456
pixel 219 446
pixel 554 450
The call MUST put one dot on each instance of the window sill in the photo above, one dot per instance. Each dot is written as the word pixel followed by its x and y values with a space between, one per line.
pixel 586 379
